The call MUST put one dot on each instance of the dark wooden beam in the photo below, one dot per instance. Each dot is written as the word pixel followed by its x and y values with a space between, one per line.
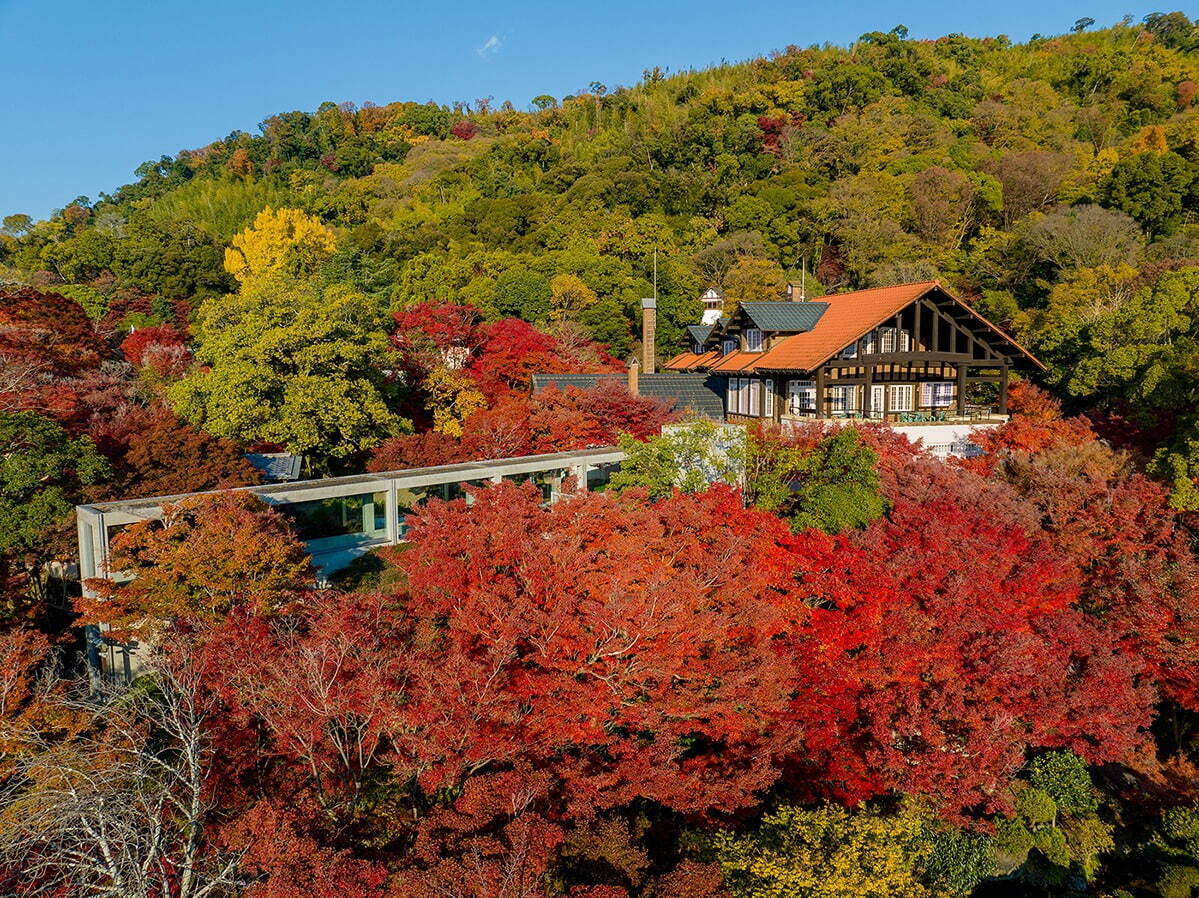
pixel 821 398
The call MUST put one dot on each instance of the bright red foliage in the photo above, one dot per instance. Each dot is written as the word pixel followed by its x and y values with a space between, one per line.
pixel 1036 423
pixel 624 647
pixel 550 420
pixel 958 651
pixel 134 346
pixel 1138 571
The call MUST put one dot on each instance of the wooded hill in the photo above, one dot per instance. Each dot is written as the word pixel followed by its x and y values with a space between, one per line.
pixel 1054 183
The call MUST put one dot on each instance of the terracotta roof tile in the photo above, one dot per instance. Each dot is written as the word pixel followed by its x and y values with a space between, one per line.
pixel 689 361
pixel 848 317
pixel 736 361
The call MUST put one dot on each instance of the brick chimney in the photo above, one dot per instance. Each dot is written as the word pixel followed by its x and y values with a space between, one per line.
pixel 649 330
pixel 634 374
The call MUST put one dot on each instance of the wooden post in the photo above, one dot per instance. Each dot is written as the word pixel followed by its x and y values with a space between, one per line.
pixel 1003 389
pixel 821 399
pixel 779 385
pixel 867 389
pixel 917 343
pixel 961 389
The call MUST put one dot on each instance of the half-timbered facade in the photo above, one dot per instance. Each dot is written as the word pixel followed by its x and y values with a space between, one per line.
pixel 908 353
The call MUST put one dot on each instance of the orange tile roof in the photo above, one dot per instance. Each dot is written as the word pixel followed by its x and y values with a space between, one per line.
pixel 848 317
pixel 737 361
pixel 688 361
pixel 680 362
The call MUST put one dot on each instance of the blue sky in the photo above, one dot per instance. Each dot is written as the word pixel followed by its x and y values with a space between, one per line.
pixel 92 89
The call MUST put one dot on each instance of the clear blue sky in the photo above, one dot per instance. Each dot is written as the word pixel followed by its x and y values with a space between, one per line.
pixel 92 88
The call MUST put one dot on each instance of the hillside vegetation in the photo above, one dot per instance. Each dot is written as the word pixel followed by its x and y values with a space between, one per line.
pixel 1054 183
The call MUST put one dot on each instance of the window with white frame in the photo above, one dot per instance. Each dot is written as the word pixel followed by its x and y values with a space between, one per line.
pixel 801 397
pixel 850 351
pixel 698 347
pixel 728 346
pixel 843 399
pixel 753 339
pixel 730 395
pixel 901 397
pixel 870 342
pixel 892 339
pixel 937 394
pixel 755 398
pixel 768 399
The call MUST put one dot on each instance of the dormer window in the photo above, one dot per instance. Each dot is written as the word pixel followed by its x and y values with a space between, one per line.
pixel 697 347
pixel 850 351
pixel 753 339
pixel 728 346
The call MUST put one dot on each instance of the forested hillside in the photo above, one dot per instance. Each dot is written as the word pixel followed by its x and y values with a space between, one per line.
pixel 1055 183
pixel 824 664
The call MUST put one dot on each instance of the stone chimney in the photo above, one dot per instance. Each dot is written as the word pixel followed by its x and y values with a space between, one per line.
pixel 634 374
pixel 649 330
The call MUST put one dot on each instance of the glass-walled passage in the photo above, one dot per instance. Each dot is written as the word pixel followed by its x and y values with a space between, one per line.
pixel 339 520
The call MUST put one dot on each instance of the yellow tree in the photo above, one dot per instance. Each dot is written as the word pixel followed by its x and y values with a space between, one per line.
pixel 453 397
pixel 281 241
pixel 569 296
pixel 753 280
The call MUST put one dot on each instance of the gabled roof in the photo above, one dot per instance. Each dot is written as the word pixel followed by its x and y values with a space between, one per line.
pixel 699 392
pixel 699 332
pixel 788 317
pixel 847 317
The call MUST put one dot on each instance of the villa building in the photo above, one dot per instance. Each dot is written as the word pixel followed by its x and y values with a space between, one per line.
pixel 910 354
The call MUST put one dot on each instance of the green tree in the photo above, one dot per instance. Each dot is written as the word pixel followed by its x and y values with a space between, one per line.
pixel 688 457
pixel 42 474
pixel 287 362
pixel 520 293
pixel 832 487
pixel 1154 189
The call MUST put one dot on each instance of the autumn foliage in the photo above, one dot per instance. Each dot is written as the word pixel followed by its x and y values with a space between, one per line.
pixel 207 557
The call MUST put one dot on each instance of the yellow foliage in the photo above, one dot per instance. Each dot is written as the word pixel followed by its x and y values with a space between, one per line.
pixel 283 241
pixel 1091 293
pixel 569 296
pixel 452 399
pixel 1150 139
pixel 753 280
pixel 827 853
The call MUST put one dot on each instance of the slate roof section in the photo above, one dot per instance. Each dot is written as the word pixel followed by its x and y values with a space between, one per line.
pixel 702 393
pixel 699 332
pixel 786 317
pixel 277 467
